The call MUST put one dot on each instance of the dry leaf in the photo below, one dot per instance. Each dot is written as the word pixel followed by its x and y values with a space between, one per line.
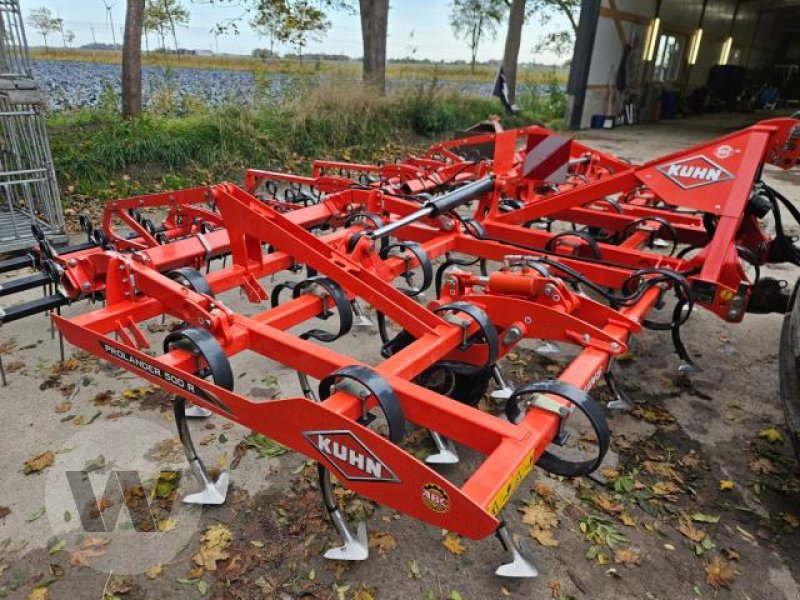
pixel 545 491
pixel 790 519
pixel 691 532
pixel 384 542
pixel 215 543
pixel 167 524
pixel 763 466
pixel 555 589
pixel 63 407
pixel 91 547
pixel 627 557
pixel 664 488
pixel 610 474
pixel 544 537
pixel 39 593
pixel 539 515
pixel 719 573
pixel 606 503
pixel 37 463
pixel 627 520
pixel 726 484
pixel 770 434
pixel 155 571
pixel 454 544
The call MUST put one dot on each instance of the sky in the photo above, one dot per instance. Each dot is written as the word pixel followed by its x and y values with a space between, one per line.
pixel 418 27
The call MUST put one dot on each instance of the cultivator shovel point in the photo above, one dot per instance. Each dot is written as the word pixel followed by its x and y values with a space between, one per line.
pixel 495 239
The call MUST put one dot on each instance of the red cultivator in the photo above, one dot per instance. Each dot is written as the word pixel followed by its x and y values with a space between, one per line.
pixel 522 233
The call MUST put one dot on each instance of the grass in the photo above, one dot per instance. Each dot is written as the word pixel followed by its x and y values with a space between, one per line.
pixel 97 155
pixel 334 68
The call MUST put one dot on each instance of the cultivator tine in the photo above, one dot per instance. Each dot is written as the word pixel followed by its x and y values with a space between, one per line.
pixel 504 390
pixel 213 492
pixel 446 453
pixel 355 547
pixel 520 565
pixel 621 400
pixel 361 320
pixel 3 372
pixel 192 411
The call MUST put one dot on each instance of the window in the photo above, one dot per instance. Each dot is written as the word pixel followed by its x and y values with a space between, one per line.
pixel 669 57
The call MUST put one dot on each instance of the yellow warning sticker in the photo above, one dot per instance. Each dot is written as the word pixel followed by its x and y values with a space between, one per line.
pixel 502 497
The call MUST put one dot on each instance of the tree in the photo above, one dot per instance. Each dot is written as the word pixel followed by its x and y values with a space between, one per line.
pixel 163 17
pixel 374 31
pixel 44 23
pixel 132 59
pixel 476 19
pixel 559 42
pixel 67 36
pixel 516 19
pixel 291 22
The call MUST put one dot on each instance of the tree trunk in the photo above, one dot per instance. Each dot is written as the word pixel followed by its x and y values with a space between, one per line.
pixel 516 19
pixel 374 28
pixel 132 59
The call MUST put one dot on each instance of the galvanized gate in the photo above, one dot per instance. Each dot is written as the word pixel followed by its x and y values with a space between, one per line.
pixel 28 188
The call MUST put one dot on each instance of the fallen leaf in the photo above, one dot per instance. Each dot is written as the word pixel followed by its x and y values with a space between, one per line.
pixel 4 512
pixel 726 484
pixel 664 488
pixel 627 520
pixel 91 547
pixel 545 491
pixel 627 557
pixel 606 503
pixel 791 519
pixel 544 537
pixel 731 554
pixel 771 434
pixel 39 593
pixel 763 466
pixel 155 571
pixel 454 544
pixel 610 474
pixel 539 515
pixel 704 518
pixel 167 524
pixel 215 542
pixel 691 532
pixel 384 542
pixel 63 407
pixel 719 573
pixel 555 589
pixel 39 462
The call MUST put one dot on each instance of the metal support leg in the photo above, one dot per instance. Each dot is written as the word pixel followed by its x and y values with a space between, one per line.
pixel 520 565
pixel 503 391
pixel 214 492
pixel 361 320
pixel 446 454
pixel 356 547
pixel 306 387
pixel 621 400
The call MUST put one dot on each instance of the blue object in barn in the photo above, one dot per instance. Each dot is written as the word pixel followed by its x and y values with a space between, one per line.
pixel 670 104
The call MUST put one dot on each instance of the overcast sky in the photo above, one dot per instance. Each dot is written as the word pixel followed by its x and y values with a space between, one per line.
pixel 413 24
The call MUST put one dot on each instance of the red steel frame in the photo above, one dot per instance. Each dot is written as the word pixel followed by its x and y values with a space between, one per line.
pixel 131 277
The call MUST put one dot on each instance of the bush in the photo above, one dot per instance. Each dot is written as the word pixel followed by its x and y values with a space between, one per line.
pixel 98 154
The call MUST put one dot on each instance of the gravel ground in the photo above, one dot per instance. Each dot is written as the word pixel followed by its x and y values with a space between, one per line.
pixel 701 500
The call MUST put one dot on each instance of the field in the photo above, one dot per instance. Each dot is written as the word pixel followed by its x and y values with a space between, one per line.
pixel 347 69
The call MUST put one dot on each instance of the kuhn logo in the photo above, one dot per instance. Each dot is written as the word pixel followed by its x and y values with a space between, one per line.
pixel 352 459
pixel 695 172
